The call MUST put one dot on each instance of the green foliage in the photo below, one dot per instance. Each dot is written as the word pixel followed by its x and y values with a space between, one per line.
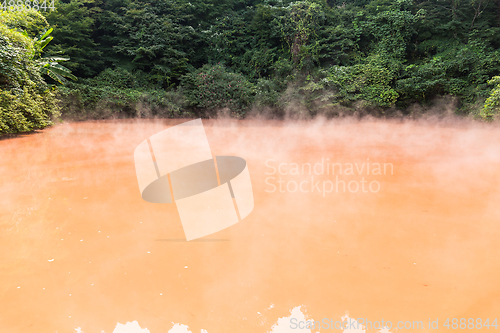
pixel 74 23
pixel 26 103
pixel 214 87
pixel 163 57
pixel 49 65
pixel 267 93
pixel 119 93
pixel 230 41
pixel 149 36
pixel 459 70
pixel 298 24
pixel 369 81
pixel 390 26
pixel 340 36
pixel 30 21
pixel 26 111
pixel 491 107
pixel 17 50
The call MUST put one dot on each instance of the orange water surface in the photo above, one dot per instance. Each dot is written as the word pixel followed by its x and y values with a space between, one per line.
pixel 79 248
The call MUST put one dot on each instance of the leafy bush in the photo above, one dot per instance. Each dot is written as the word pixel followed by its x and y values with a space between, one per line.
pixel 119 93
pixel 491 107
pixel 26 111
pixel 17 50
pixel 214 87
pixel 267 93
pixel 460 70
pixel 370 81
pixel 26 102
pixel 29 20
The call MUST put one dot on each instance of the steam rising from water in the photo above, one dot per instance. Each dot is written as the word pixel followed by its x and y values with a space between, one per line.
pixel 425 245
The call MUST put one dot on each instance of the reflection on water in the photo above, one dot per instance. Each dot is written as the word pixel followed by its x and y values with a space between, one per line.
pixel 194 240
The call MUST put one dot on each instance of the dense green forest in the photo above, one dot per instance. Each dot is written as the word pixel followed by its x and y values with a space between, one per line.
pixel 180 58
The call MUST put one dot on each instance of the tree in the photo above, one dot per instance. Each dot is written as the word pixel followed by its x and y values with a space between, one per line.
pixel 74 24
